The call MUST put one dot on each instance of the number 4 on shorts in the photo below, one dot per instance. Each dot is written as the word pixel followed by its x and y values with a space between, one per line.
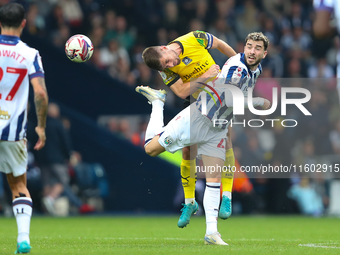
pixel 220 145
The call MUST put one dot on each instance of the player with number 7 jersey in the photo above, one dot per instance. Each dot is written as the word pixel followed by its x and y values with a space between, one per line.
pixel 19 65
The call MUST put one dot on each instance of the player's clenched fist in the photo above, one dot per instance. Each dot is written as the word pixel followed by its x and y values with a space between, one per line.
pixel 266 104
pixel 42 138
pixel 212 72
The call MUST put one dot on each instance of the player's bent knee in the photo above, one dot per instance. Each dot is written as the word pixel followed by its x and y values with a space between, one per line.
pixel 154 150
pixel 150 151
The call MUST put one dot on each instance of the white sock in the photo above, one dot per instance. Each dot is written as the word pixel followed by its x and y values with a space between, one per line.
pixel 227 194
pixel 211 203
pixel 189 200
pixel 156 122
pixel 22 209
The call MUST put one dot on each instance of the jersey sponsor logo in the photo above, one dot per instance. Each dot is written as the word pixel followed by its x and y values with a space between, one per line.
pixel 4 115
pixel 168 140
pixel 197 70
pixel 186 61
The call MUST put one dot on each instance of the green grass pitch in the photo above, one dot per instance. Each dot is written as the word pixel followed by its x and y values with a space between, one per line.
pixel 160 235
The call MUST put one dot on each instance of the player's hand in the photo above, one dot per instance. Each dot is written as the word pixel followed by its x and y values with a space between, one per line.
pixel 266 104
pixel 42 138
pixel 212 72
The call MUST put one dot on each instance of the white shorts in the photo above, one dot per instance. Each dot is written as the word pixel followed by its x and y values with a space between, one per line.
pixel 13 157
pixel 190 127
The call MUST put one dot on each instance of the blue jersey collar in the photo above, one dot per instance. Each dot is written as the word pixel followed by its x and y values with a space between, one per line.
pixel 9 39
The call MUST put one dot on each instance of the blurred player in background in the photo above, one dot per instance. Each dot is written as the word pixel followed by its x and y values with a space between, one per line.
pixel 326 24
pixel 19 64
pixel 179 63
pixel 190 126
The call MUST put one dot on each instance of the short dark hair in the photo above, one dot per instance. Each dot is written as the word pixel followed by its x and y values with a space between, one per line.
pixel 11 15
pixel 258 36
pixel 151 56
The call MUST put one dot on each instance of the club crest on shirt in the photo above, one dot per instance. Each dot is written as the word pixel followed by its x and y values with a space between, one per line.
pixel 168 140
pixel 163 75
pixel 4 115
pixel 186 61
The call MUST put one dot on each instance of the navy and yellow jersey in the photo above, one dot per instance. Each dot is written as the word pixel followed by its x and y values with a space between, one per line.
pixel 195 58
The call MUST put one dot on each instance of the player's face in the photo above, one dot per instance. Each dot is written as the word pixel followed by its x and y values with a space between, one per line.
pixel 169 58
pixel 254 52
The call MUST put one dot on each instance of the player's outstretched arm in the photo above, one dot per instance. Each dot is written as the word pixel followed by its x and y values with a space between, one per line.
pixel 183 90
pixel 41 103
pixel 256 101
pixel 223 47
pixel 321 24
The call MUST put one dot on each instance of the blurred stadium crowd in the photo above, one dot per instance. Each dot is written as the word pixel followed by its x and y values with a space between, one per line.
pixel 121 30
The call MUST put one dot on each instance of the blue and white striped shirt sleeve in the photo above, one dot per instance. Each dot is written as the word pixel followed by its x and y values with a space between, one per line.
pixel 37 69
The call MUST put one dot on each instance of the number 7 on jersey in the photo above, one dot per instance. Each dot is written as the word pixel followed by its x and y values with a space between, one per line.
pixel 22 73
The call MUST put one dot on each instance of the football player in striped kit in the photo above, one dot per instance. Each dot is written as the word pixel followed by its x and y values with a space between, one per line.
pixel 19 64
pixel 193 126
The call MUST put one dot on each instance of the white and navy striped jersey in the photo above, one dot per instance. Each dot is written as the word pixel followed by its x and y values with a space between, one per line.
pixel 234 72
pixel 18 64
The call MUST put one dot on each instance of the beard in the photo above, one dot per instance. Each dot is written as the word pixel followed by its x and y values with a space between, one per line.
pixel 255 63
pixel 178 61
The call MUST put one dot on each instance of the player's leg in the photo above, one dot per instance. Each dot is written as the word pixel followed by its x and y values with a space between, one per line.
pixel 153 148
pixel 227 179
pixel 169 141
pixel 188 176
pixel 156 122
pixel 22 209
pixel 211 200
pixel 13 162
